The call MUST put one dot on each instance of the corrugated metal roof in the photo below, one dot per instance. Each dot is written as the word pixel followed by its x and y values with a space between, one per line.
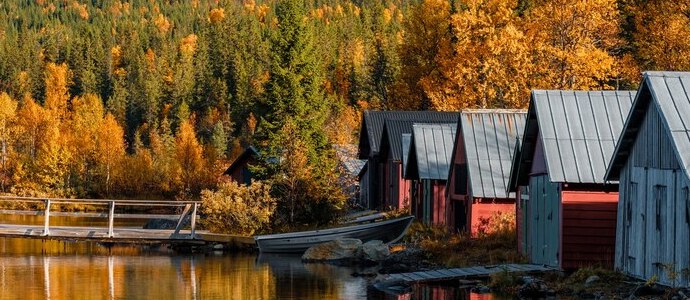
pixel 670 94
pixel 347 155
pixel 578 130
pixel 390 146
pixel 371 129
pixel 432 147
pixel 406 140
pixel 490 137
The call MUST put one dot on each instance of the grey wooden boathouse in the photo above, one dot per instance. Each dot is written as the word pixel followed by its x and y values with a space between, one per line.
pixel 652 161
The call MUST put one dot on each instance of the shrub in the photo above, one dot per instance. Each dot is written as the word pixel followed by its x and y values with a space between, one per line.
pixel 237 209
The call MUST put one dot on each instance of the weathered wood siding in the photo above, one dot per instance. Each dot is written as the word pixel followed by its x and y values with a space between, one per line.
pixel 589 229
pixel 432 203
pixel 521 219
pixel 544 210
pixel 653 235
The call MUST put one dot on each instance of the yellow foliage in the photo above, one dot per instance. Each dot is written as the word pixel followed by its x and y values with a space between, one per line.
pixel 162 23
pixel 116 55
pixel 57 79
pixel 237 209
pixel 663 34
pixel 81 10
pixel 189 154
pixel 109 150
pixel 188 44
pixel 572 41
pixel 481 68
pixel 216 15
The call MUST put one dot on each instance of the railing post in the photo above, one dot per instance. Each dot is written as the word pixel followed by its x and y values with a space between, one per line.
pixel 46 224
pixel 111 216
pixel 194 221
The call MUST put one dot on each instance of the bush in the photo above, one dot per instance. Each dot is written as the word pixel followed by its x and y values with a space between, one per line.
pixel 237 209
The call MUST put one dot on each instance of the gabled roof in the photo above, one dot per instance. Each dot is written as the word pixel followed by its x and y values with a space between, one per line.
pixel 347 156
pixel 669 93
pixel 406 141
pixel 246 155
pixel 431 150
pixel 578 131
pixel 489 137
pixel 390 146
pixel 371 129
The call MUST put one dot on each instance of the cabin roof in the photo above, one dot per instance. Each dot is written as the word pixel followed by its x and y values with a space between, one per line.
pixel 373 122
pixel 578 130
pixel 669 93
pixel 347 156
pixel 391 143
pixel 431 150
pixel 489 137
pixel 245 156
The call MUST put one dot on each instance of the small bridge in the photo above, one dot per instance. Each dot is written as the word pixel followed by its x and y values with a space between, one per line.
pixel 110 233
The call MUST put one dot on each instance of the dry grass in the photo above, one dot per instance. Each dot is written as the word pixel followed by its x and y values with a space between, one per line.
pixel 460 250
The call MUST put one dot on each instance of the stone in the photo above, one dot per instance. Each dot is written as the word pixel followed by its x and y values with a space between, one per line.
pixel 375 251
pixel 338 250
pixel 591 280
pixel 533 288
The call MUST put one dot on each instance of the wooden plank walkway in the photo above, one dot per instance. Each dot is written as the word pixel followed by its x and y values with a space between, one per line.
pixel 459 273
pixel 100 234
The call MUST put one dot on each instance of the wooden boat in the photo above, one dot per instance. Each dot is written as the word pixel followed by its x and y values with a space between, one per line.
pixel 388 231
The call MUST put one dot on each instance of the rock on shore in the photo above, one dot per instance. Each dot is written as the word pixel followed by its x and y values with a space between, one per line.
pixel 347 251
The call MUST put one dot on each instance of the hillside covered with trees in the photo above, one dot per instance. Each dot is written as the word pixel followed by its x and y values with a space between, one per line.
pixel 153 98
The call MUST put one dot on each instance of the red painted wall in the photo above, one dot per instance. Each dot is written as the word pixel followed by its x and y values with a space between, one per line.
pixel 588 228
pixel 440 206
pixel 484 209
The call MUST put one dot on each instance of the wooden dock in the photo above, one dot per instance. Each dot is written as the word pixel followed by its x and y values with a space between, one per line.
pixel 181 234
pixel 458 273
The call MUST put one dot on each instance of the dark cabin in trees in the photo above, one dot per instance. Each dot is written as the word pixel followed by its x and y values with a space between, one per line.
pixel 428 164
pixel 370 137
pixel 652 164
pixel 482 156
pixel 566 212
pixel 239 169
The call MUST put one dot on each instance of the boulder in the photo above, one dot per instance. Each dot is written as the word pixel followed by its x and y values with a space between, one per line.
pixel 375 251
pixel 338 250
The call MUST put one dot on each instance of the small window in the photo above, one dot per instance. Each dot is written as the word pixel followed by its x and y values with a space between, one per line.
pixel 461 179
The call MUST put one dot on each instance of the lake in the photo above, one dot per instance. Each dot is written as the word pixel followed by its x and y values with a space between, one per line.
pixel 47 269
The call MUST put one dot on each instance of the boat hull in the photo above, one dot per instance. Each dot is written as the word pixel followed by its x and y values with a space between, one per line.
pixel 388 231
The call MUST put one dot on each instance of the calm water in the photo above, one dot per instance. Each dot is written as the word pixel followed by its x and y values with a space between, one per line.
pixel 36 269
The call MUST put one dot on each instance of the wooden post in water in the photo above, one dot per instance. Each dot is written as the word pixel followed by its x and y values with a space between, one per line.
pixel 46 224
pixel 194 220
pixel 111 216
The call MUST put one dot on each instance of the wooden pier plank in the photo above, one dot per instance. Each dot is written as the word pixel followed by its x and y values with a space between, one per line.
pixel 457 273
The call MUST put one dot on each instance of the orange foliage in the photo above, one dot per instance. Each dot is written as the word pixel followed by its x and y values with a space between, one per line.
pixel 57 79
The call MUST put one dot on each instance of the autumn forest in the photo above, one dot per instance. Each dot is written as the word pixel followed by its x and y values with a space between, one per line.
pixel 153 98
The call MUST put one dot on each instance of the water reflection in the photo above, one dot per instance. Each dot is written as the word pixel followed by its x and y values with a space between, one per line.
pixel 35 269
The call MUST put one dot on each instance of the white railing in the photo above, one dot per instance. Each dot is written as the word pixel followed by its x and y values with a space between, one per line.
pixel 189 207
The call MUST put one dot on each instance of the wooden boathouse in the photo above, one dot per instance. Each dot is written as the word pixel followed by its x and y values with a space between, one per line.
pixel 566 212
pixel 428 165
pixel 482 156
pixel 377 170
pixel 239 169
pixel 652 161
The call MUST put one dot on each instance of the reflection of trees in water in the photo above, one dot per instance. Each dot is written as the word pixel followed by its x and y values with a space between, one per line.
pixel 73 271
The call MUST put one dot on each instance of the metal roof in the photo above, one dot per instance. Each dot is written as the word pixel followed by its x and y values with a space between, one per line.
pixel 578 130
pixel 669 92
pixel 406 140
pixel 347 155
pixel 371 129
pixel 489 137
pixel 431 151
pixel 393 129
